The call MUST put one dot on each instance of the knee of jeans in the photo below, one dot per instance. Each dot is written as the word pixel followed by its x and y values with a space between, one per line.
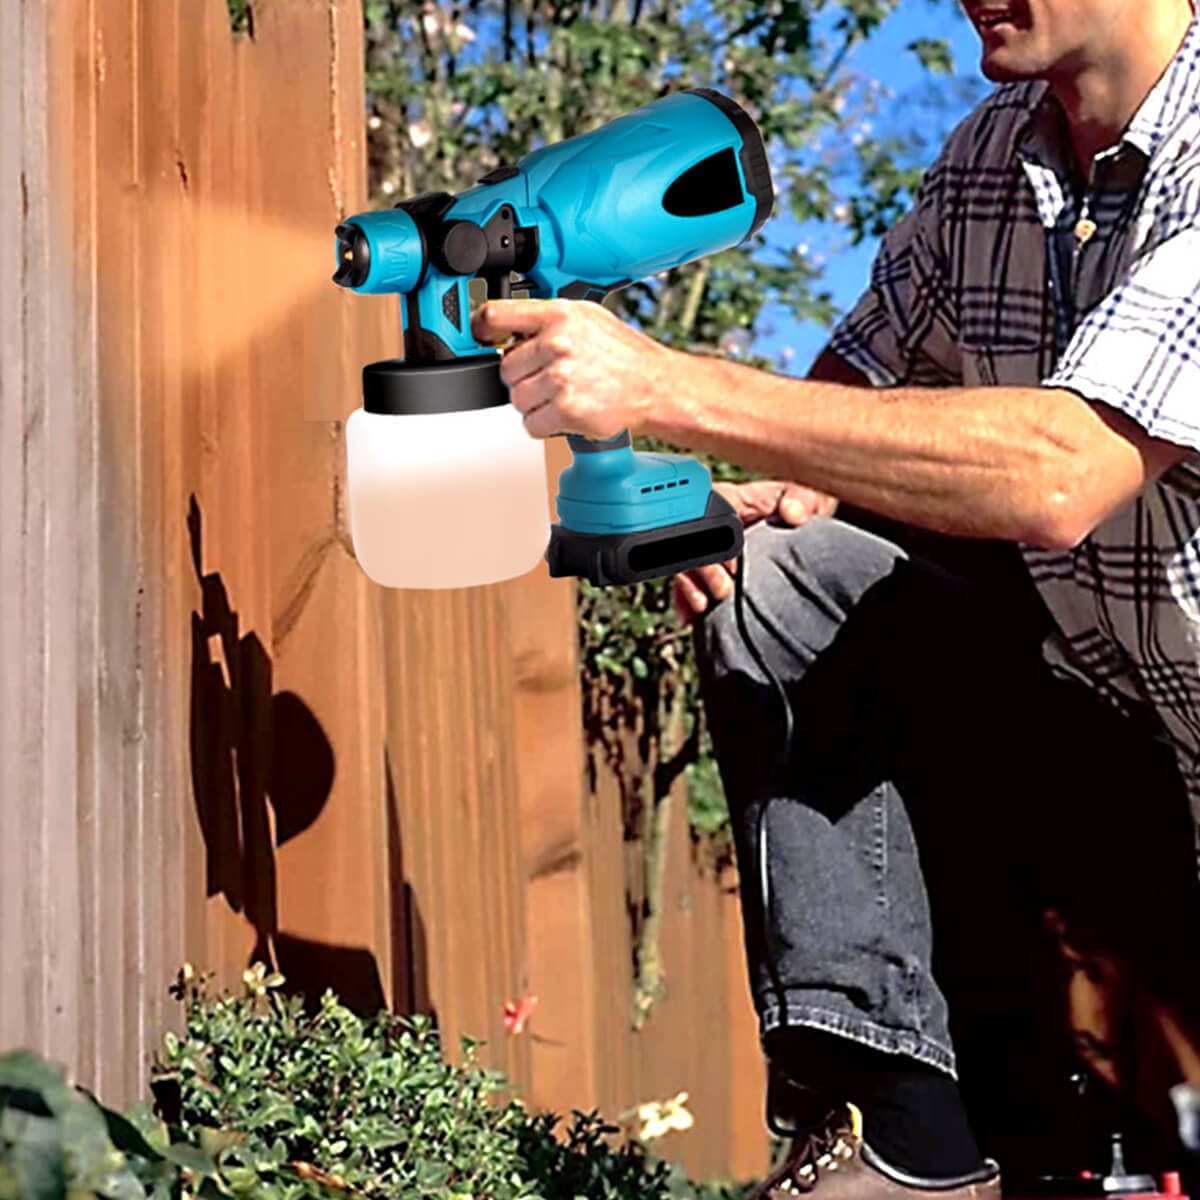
pixel 778 562
pixel 803 576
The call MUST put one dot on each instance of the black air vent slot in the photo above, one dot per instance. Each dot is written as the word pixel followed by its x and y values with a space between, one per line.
pixel 712 185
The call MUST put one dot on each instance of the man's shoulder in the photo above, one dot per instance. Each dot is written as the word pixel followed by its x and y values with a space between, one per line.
pixel 988 134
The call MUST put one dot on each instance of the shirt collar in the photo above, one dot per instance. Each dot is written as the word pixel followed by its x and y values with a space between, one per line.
pixel 1172 97
pixel 1044 139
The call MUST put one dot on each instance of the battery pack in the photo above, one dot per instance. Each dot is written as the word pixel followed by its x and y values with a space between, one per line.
pixel 605 559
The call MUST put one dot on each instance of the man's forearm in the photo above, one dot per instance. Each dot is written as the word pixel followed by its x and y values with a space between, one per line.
pixel 981 462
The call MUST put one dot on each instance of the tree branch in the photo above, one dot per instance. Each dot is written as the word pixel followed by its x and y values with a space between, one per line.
pixel 688 753
pixel 695 293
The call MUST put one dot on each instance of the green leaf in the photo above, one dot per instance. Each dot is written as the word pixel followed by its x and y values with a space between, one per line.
pixel 934 55
pixel 123 1134
pixel 21 1070
pixel 191 1158
pixel 33 1164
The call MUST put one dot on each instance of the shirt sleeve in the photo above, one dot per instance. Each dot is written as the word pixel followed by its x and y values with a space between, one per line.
pixel 1138 350
pixel 904 328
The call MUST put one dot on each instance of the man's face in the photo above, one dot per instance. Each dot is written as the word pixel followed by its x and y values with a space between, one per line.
pixel 1044 39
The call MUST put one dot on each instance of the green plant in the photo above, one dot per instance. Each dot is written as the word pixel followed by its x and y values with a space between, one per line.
pixel 260 1099
pixel 369 1103
pixel 585 1164
pixel 59 1142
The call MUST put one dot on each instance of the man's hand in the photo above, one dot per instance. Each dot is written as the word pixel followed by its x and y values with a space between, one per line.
pixel 576 367
pixel 754 501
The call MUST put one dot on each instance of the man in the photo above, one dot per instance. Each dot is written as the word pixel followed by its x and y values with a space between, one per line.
pixel 1024 368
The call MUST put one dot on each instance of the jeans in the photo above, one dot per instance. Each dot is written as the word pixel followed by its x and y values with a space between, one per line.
pixel 942 792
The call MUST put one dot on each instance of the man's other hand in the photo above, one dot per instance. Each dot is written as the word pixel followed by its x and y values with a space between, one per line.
pixel 754 501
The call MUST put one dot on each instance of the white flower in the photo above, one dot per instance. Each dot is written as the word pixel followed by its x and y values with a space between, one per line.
pixel 464 32
pixel 661 1116
pixel 841 212
pixel 257 980
pixel 387 187
pixel 420 133
pixel 430 23
pixel 374 122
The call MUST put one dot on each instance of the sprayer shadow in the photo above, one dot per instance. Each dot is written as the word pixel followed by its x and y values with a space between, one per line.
pixel 262 773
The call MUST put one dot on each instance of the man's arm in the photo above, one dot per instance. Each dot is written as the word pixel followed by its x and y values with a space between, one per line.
pixel 829 367
pixel 1036 464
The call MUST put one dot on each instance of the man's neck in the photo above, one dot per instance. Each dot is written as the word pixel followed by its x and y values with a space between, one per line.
pixel 1100 98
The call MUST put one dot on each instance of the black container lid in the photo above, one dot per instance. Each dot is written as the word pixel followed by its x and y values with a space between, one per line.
pixel 401 388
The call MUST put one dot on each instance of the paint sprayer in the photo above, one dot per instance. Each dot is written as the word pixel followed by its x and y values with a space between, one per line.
pixel 447 489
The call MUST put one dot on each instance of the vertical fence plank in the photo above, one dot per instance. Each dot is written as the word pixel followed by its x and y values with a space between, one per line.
pixel 14 930
pixel 117 399
pixel 747 1080
pixel 560 954
pixel 159 263
pixel 83 192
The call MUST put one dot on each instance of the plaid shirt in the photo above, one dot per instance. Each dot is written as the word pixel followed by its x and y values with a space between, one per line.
pixel 1006 273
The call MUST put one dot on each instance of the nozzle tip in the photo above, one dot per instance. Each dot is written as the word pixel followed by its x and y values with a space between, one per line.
pixel 354 256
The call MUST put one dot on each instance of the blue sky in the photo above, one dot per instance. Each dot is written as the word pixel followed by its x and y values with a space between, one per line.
pixel 884 58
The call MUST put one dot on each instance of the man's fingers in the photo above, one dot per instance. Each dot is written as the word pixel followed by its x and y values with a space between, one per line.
pixel 495 320
pixel 716 579
pixel 683 599
pixel 693 589
pixel 794 510
pixel 689 599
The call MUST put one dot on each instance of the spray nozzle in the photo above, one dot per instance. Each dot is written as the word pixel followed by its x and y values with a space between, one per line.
pixel 353 257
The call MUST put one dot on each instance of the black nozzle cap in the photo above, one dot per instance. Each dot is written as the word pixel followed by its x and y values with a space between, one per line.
pixel 402 388
pixel 753 154
pixel 354 257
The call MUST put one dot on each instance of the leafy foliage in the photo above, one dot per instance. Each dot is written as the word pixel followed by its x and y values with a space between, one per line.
pixel 370 1105
pixel 263 1100
pixel 367 1101
pixel 57 1141
pixel 584 1164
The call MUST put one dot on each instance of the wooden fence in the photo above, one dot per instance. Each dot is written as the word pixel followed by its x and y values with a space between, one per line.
pixel 218 740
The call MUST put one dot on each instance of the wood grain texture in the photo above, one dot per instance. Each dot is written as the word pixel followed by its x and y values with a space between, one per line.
pixel 218 740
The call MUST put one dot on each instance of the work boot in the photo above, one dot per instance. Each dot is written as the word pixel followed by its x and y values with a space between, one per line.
pixel 832 1159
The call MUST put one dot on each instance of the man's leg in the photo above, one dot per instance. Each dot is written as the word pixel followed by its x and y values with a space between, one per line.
pixel 849 926
pixel 846 950
pixel 919 703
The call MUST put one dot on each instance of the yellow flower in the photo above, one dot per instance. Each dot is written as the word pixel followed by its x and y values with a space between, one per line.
pixel 661 1116
pixel 257 980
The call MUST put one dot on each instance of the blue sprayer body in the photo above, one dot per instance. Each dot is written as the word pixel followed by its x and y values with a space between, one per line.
pixel 681 177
